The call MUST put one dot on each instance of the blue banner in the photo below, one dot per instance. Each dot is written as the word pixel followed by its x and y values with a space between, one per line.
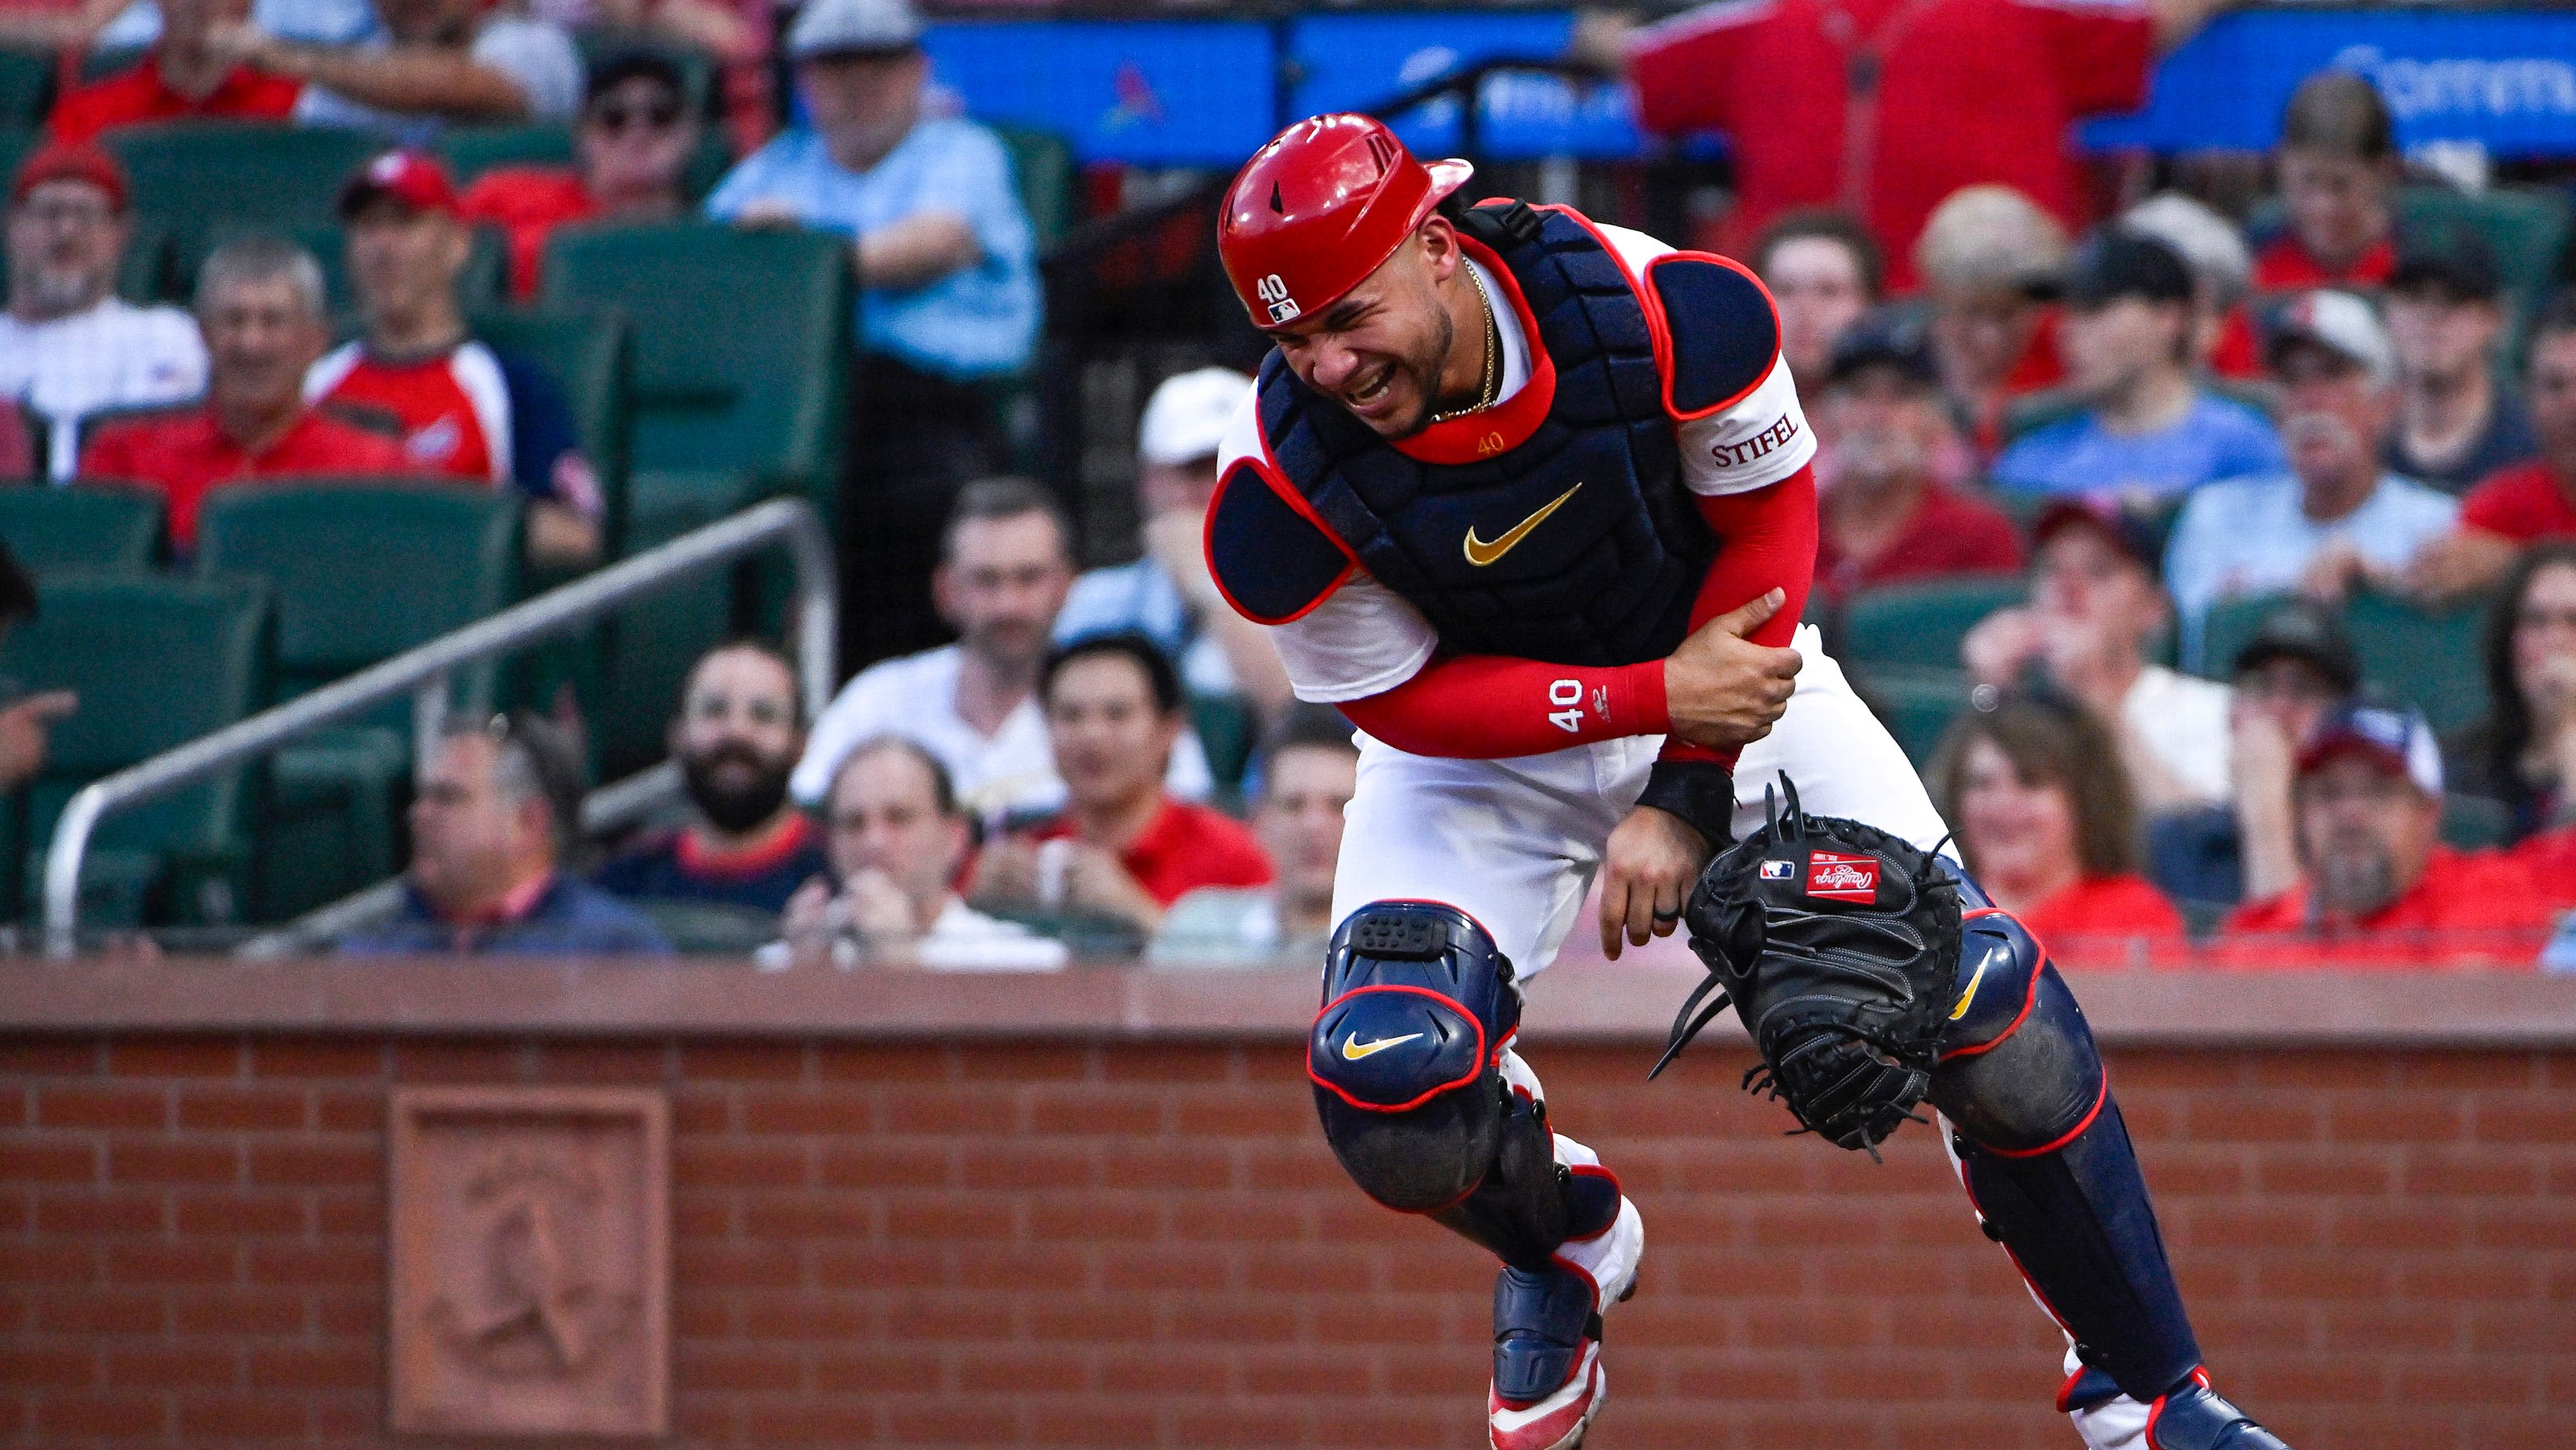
pixel 1351 62
pixel 1151 93
pixel 1205 92
pixel 2503 79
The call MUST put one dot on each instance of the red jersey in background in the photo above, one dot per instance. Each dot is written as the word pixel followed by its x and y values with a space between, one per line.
pixel 1885 107
pixel 188 455
pixel 139 96
pixel 1183 848
pixel 2524 503
pixel 2470 910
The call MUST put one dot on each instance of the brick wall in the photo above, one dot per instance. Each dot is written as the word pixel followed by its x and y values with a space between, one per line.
pixel 1146 1245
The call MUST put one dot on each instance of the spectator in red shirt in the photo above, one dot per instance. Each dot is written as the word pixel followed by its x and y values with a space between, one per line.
pixel 2528 502
pixel 2338 167
pixel 1128 850
pixel 2048 825
pixel 1885 107
pixel 1824 271
pixel 182 78
pixel 631 156
pixel 259 303
pixel 1886 512
pixel 2378 888
pixel 463 408
pixel 1991 263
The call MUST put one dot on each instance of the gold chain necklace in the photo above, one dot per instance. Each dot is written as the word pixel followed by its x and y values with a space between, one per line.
pixel 1493 383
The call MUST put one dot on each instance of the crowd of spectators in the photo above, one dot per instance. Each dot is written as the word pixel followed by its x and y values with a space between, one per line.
pixel 2147 415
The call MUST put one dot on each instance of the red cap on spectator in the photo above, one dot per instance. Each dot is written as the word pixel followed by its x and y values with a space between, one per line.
pixel 415 180
pixel 61 161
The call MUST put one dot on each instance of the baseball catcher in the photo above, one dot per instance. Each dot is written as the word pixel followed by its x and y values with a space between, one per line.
pixel 1530 499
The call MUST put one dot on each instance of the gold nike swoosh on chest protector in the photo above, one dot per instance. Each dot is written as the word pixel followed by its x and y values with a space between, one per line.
pixel 1480 553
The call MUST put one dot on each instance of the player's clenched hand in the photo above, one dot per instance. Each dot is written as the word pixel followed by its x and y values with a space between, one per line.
pixel 1723 690
pixel 1646 875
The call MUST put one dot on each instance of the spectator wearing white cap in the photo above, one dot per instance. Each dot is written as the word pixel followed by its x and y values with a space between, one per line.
pixel 949 296
pixel 1168 595
pixel 2336 516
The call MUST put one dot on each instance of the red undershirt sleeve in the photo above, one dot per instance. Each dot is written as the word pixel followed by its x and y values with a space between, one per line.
pixel 1493 707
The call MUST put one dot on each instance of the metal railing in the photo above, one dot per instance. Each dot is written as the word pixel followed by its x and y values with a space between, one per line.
pixel 425 675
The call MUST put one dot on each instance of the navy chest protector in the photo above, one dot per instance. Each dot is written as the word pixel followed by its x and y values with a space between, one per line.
pixel 1579 545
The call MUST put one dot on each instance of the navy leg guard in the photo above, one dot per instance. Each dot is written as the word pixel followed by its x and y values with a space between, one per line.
pixel 1406 1062
pixel 2049 1165
pixel 1541 1320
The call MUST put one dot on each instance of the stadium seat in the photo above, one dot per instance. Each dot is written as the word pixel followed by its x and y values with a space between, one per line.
pixel 157 662
pixel 739 352
pixel 2525 227
pixel 26 89
pixel 1916 703
pixel 2230 623
pixel 739 357
pixel 1043 171
pixel 100 528
pixel 584 349
pixel 1920 625
pixel 17 138
pixel 360 571
pixel 472 150
pixel 2429 658
pixel 201 177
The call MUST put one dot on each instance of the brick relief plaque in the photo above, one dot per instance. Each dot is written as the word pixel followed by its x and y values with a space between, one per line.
pixel 530 1250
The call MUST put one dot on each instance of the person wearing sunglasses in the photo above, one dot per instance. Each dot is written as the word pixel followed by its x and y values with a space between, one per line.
pixel 631 154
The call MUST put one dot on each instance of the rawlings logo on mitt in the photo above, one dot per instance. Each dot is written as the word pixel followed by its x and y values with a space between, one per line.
pixel 1837 944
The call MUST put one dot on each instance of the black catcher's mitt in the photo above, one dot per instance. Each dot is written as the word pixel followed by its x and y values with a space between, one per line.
pixel 1838 945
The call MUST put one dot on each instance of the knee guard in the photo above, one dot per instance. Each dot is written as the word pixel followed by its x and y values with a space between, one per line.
pixel 2048 1164
pixel 1406 1060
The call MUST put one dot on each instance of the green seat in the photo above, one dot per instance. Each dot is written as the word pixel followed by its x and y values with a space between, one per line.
pixel 1920 625
pixel 584 350
pixel 26 88
pixel 157 662
pixel 1228 730
pixel 1043 170
pixel 2475 823
pixel 740 345
pixel 17 139
pixel 2525 227
pixel 202 178
pixel 101 528
pixel 1917 704
pixel 2429 658
pixel 471 151
pixel 2229 624
pixel 360 571
pixel 739 387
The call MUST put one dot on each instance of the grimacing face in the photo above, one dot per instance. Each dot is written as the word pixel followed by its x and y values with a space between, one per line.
pixel 1381 348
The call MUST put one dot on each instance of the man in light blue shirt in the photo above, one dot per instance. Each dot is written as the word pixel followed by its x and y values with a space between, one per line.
pixel 2333 517
pixel 944 250
pixel 1167 595
pixel 949 294
pixel 2148 429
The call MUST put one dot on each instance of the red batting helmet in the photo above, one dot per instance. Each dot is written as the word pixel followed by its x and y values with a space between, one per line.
pixel 1319 208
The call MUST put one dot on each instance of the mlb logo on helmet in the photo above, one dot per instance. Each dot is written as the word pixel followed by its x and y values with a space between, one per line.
pixel 1838 877
pixel 1274 291
pixel 1779 870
